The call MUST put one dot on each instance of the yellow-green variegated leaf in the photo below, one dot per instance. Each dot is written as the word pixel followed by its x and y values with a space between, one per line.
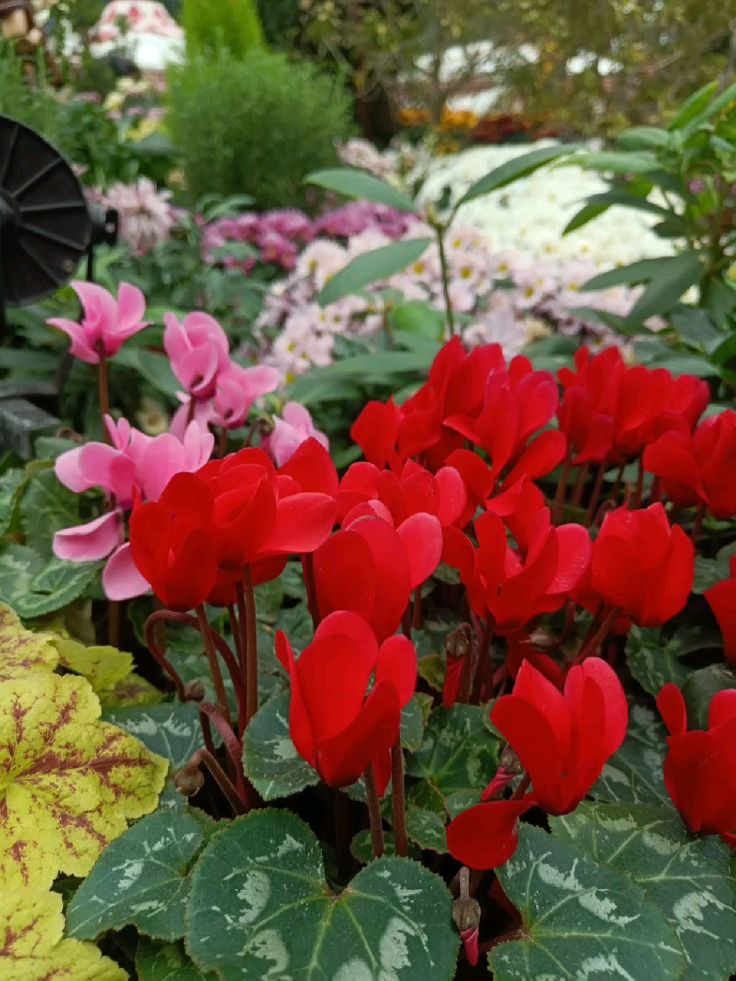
pixel 69 781
pixel 32 947
pixel 22 651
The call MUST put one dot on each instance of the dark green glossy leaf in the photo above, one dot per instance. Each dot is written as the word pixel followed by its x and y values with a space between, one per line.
pixel 156 961
pixel 700 688
pixel 634 773
pixel 170 729
pixel 270 759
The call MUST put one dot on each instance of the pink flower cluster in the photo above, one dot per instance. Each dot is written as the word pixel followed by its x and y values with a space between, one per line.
pixel 217 390
pixel 146 217
pixel 279 236
pixel 509 300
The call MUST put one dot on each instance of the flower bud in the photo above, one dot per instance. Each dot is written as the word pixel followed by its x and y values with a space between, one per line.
pixel 189 780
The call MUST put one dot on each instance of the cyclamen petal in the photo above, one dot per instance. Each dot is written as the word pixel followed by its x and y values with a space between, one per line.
pixel 91 541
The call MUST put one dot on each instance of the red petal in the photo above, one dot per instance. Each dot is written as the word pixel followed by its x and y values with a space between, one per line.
pixel 486 836
pixel 303 522
pixel 539 458
pixel 722 601
pixel 671 706
pixel 397 663
pixel 345 575
pixel 312 468
pixel 422 538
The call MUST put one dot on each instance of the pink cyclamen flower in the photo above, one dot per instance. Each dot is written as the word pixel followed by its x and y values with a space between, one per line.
pixel 135 465
pixel 237 390
pixel 289 432
pixel 106 323
pixel 198 350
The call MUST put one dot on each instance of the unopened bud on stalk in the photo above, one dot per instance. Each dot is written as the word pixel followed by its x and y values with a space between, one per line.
pixel 194 691
pixel 189 780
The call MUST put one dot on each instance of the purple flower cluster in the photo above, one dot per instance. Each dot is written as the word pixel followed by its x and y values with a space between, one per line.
pixel 279 236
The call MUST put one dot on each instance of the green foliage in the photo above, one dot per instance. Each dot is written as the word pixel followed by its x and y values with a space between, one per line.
pixel 32 104
pixel 580 919
pixel 256 126
pixel 266 870
pixel 370 267
pixel 688 878
pixel 212 26
pixel 270 759
pixel 281 20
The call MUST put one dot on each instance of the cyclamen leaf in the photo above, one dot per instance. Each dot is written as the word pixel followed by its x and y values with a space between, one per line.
pixel 459 752
pixel 156 961
pixel 414 716
pixel 171 730
pixel 700 688
pixel 270 759
pixel 654 662
pixel 266 871
pixel 688 878
pixel 31 944
pixel 579 919
pixel 47 506
pixel 427 829
pixel 139 879
pixel 33 588
pixel 71 781
pixel 22 651
pixel 634 774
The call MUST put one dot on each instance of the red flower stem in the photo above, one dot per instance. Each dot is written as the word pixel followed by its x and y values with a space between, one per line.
pixel 417 618
pixel 150 635
pixel 617 485
pixel 577 494
pixel 483 659
pixel 374 812
pixel 561 488
pixel 406 621
pixel 593 642
pixel 242 620
pixel 222 442
pixel 639 482
pixel 698 523
pixel 311 583
pixel 216 673
pixel 398 799
pixel 235 627
pixel 522 787
pixel 103 390
pixel 206 728
pixel 113 623
pixel 251 647
pixel 221 778
pixel 595 495
pixel 233 746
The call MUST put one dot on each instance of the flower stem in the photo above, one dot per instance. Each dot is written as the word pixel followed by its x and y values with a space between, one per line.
pixel 232 744
pixel 209 646
pixel 440 232
pixel 311 584
pixel 698 523
pixel 522 787
pixel 374 812
pixel 103 393
pixel 251 646
pixel 221 778
pixel 577 494
pixel 151 638
pixel 398 800
pixel 596 638
pixel 595 495
pixel 561 488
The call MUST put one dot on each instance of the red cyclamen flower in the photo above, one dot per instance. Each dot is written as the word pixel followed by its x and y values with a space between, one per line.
pixel 700 767
pixel 642 565
pixel 335 726
pixel 722 600
pixel 698 468
pixel 563 740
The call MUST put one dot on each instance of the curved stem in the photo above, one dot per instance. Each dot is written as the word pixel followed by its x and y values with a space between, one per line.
pixel 149 634
pixel 398 801
pixel 374 812
pixel 594 641
pixel 221 778
pixel 232 744
pixel 209 647
pixel 559 503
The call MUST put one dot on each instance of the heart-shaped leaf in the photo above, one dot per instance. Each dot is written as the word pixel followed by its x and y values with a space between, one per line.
pixel 688 878
pixel 260 907
pixel 270 759
pixel 634 774
pixel 654 661
pixel 156 961
pixel 139 879
pixel 171 729
pixel 579 919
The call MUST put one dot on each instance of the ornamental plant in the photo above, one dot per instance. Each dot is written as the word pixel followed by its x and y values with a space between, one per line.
pixel 403 716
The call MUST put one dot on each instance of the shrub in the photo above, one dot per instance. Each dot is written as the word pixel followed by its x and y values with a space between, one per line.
pixel 221 25
pixel 256 126
pixel 32 104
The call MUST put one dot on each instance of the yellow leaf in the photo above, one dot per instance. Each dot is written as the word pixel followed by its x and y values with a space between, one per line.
pixel 102 666
pixel 32 948
pixel 131 690
pixel 68 782
pixel 22 651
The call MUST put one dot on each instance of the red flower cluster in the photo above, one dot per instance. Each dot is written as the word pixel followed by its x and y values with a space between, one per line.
pixel 610 412
pixel 193 544
pixel 697 469
pixel 700 767
pixel 562 739
pixel 722 600
pixel 336 727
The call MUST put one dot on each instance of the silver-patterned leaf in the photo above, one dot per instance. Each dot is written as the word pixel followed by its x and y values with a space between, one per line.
pixel 270 759
pixel 170 729
pixel 634 773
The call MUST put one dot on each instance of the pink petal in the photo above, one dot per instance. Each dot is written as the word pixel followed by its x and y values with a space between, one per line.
pixel 80 348
pixel 131 308
pixel 89 542
pixel 121 579
pixel 67 470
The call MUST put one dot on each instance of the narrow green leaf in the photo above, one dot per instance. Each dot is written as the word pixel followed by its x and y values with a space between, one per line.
pixel 358 184
pixel 666 288
pixel 644 138
pixel 687 877
pixel 713 107
pixel 139 879
pixel 516 168
pixel 693 106
pixel 580 919
pixel 371 267
pixel 266 871
pixel 636 272
pixel 617 162
pixel 270 759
